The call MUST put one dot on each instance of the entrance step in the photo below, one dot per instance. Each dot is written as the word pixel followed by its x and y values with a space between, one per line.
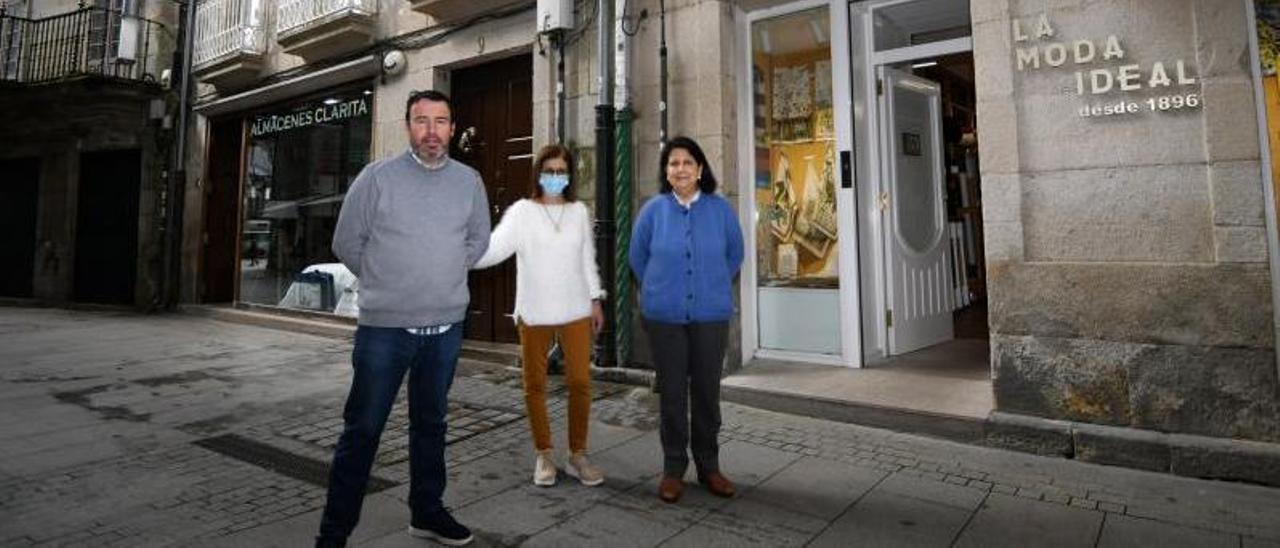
pixel 965 429
pixel 944 391
pixel 328 325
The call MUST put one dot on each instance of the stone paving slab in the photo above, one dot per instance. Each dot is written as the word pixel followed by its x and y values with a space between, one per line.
pixel 523 511
pixel 1119 531
pixel 816 487
pixel 1004 520
pixel 883 518
pixel 764 516
pixel 714 532
pixel 1252 542
pixel 614 523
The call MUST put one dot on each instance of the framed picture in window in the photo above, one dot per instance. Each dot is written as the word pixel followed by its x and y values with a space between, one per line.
pixel 911 144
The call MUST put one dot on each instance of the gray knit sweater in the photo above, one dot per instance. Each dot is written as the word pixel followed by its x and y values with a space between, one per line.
pixel 409 234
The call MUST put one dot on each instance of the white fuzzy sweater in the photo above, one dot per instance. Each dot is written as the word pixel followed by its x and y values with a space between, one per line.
pixel 556 274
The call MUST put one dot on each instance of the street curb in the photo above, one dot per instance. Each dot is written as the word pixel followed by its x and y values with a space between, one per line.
pixel 272 320
pixel 30 302
pixel 1179 454
pixel 340 328
pixel 624 375
pixel 24 302
pixel 1028 434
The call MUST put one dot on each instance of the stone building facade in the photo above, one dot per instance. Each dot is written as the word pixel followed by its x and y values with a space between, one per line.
pixel 1129 264
pixel 86 149
pixel 1095 210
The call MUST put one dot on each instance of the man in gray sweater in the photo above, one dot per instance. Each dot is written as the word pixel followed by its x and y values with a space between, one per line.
pixel 410 227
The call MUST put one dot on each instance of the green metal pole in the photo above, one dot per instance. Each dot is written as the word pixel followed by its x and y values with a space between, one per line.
pixel 622 220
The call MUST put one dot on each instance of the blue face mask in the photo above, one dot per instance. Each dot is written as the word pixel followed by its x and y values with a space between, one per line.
pixel 553 183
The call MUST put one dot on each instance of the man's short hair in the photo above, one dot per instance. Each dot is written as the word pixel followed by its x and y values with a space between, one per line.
pixel 426 95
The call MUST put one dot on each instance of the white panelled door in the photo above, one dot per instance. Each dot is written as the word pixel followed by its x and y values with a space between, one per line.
pixel 917 269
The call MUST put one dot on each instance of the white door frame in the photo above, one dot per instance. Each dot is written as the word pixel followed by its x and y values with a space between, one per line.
pixel 869 162
pixel 847 241
pixel 1268 192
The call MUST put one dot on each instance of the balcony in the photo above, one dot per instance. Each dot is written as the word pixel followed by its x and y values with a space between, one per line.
pixel 320 29
pixel 89 42
pixel 230 42
pixel 449 12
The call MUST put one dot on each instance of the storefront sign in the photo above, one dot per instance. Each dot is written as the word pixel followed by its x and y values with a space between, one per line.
pixel 275 123
pixel 1174 86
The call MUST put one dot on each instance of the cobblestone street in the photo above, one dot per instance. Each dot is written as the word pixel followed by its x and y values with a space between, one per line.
pixel 126 430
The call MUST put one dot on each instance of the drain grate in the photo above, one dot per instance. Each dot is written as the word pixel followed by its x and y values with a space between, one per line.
pixel 280 461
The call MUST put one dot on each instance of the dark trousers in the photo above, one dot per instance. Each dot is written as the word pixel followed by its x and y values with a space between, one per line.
pixel 380 359
pixel 689 359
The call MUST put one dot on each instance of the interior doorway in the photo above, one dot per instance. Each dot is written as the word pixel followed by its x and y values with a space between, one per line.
pixel 924 234
pixel 955 76
pixel 935 276
pixel 19 198
pixel 493 113
pixel 221 211
pixel 107 226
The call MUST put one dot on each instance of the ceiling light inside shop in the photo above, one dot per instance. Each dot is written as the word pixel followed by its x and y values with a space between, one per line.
pixel 763 39
pixel 924 64
pixel 332 101
pixel 819 30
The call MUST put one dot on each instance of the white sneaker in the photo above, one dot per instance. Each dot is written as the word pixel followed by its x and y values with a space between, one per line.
pixel 544 470
pixel 581 468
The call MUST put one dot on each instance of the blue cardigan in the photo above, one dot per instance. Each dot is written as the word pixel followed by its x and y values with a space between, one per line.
pixel 686 259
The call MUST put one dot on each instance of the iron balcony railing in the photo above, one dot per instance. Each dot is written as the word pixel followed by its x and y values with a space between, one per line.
pixel 297 15
pixel 225 28
pixel 89 41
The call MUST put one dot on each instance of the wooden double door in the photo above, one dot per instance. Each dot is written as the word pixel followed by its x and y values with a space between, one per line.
pixel 493 117
pixel 106 259
pixel 19 198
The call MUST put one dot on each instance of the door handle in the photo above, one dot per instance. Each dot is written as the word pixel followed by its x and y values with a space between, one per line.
pixel 846 169
pixel 497 199
pixel 884 201
pixel 466 140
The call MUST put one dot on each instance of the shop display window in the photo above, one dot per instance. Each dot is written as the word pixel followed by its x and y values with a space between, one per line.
pixel 300 160
pixel 795 169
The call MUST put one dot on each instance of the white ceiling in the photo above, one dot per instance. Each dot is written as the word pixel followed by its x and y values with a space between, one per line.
pixel 926 15
pixel 804 31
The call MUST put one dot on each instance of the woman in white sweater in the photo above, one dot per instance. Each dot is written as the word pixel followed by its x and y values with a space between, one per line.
pixel 558 293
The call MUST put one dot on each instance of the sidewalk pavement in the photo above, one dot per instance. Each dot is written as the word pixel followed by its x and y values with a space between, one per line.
pixel 119 429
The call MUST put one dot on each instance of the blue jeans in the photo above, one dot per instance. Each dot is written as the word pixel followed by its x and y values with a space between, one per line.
pixel 379 360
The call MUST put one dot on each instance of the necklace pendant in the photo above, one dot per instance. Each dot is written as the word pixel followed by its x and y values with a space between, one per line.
pixel 555 223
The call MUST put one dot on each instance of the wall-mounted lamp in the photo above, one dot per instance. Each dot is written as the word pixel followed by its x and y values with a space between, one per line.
pixel 393 62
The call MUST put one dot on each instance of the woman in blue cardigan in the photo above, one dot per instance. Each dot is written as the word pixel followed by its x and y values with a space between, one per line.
pixel 685 249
